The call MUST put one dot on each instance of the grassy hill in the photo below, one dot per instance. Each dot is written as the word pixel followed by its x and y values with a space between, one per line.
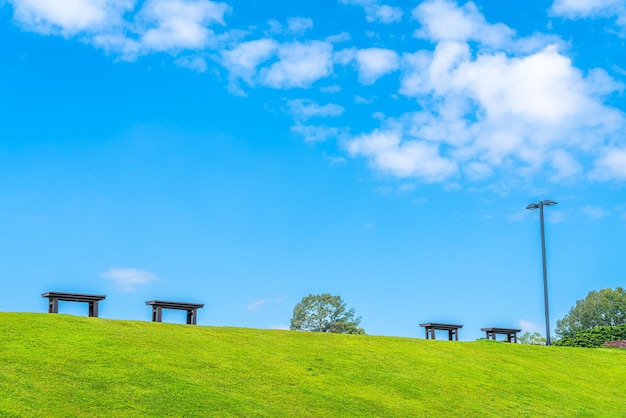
pixel 60 365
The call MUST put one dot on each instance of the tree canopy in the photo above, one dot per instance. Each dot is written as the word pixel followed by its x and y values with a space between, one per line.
pixel 606 307
pixel 325 313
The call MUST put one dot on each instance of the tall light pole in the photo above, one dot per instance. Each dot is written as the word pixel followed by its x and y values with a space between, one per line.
pixel 540 206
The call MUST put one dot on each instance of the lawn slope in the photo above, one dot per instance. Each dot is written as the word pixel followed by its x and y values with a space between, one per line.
pixel 60 365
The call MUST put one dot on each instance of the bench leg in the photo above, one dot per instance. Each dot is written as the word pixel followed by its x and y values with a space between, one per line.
pixel 191 317
pixel 53 305
pixel 93 309
pixel 157 314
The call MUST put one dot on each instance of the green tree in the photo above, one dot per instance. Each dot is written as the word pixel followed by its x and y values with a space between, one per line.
pixel 599 308
pixel 325 313
pixel 533 339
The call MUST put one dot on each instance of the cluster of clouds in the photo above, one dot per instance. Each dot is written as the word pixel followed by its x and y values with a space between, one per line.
pixel 487 102
pixel 126 27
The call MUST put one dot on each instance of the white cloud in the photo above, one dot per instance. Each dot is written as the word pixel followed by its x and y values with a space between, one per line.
pixel 530 111
pixel 487 111
pixel 243 60
pixel 295 25
pixel 611 165
pixel 165 25
pixel 127 278
pixel 118 28
pixel 340 37
pixel 303 109
pixel 336 160
pixel 565 166
pixel 373 63
pixel 592 9
pixel 444 20
pixel 385 14
pixel 299 25
pixel 315 133
pixel 388 152
pixel 197 64
pixel 362 100
pixel 574 9
pixel 377 12
pixel 299 65
pixel 69 17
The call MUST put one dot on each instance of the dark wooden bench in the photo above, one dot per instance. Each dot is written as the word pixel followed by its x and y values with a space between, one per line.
pixel 511 333
pixel 159 305
pixel 55 297
pixel 453 330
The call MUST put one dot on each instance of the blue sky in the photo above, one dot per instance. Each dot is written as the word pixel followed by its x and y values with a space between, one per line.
pixel 244 154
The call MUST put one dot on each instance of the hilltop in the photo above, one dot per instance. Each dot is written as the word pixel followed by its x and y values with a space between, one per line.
pixel 61 365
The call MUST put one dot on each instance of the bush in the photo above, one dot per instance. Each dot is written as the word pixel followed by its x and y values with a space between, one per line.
pixel 595 337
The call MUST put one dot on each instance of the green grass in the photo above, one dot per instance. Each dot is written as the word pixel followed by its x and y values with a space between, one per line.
pixel 60 365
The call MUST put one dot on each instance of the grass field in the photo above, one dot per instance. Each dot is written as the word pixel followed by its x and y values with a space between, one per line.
pixel 68 366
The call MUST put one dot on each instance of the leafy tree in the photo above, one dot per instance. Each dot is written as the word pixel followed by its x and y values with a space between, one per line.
pixel 325 313
pixel 604 307
pixel 595 337
pixel 533 339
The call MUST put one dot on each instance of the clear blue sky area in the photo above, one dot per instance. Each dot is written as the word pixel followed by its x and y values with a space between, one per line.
pixel 244 154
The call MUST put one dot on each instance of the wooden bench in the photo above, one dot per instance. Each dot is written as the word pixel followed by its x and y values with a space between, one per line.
pixel 159 305
pixel 511 333
pixel 453 330
pixel 55 297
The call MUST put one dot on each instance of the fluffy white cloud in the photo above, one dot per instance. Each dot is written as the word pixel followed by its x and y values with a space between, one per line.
pixel 69 17
pixel 488 110
pixel 444 20
pixel 243 60
pixel 388 152
pixel 299 65
pixel 295 25
pixel 299 25
pixel 488 101
pixel 128 279
pixel 611 165
pixel 580 9
pixel 587 8
pixel 373 63
pixel 165 25
pixel 377 12
pixel 126 27
pixel 303 109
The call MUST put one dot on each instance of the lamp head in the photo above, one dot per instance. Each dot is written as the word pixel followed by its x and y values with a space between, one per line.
pixel 548 202
pixel 532 206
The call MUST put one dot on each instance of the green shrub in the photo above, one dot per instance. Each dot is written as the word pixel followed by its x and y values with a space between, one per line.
pixel 594 337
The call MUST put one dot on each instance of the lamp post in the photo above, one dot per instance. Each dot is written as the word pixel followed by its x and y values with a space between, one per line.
pixel 540 206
